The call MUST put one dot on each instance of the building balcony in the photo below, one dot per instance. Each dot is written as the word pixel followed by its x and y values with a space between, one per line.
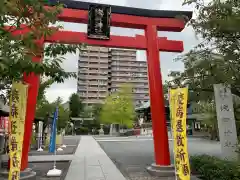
pixel 93 101
pixel 82 65
pixel 96 84
pixel 90 95
pixel 125 64
pixel 139 80
pixel 141 86
pixel 96 77
pixel 130 75
pixel 98 73
pixel 96 89
pixel 95 49
pixel 123 53
pixel 93 54
pixel 94 72
pixel 121 75
pixel 129 80
pixel 126 69
pixel 98 66
pixel 102 60
pixel 81 91
pixel 123 59
pixel 82 81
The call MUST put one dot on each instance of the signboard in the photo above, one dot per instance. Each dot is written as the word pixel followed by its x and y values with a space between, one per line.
pixel 226 120
pixel 178 108
pixel 4 125
pixel 17 114
pixel 99 22
pixel 40 133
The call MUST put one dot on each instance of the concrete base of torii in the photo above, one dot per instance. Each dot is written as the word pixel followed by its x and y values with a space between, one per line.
pixel 161 171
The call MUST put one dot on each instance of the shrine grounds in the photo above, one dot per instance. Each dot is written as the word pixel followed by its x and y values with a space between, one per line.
pixel 41 168
pixel 131 155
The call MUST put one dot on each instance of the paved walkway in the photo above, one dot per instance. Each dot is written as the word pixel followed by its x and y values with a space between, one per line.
pixel 43 158
pixel 90 162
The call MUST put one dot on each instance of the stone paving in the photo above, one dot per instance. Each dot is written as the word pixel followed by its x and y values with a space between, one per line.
pixel 71 145
pixel 42 168
pixel 92 163
pixel 132 155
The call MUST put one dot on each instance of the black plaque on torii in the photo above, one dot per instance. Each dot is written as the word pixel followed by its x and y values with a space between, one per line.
pixel 99 22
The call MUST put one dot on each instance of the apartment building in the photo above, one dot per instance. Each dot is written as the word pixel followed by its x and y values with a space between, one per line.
pixel 101 71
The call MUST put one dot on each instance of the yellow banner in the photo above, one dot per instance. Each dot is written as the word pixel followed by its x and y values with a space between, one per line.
pixel 18 100
pixel 178 111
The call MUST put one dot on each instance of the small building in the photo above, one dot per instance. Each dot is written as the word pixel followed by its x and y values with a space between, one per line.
pixel 193 121
pixel 78 121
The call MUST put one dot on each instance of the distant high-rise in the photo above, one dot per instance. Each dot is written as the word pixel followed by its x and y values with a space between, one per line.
pixel 102 71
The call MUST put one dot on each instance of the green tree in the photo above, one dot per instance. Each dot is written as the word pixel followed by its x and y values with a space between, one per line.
pixel 75 105
pixel 43 86
pixel 86 112
pixel 47 109
pixel 109 112
pixel 63 117
pixel 119 107
pixel 96 110
pixel 217 58
pixel 209 118
pixel 16 52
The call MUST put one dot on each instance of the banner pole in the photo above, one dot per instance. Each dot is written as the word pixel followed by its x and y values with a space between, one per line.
pixel 54 172
pixel 55 154
pixel 172 123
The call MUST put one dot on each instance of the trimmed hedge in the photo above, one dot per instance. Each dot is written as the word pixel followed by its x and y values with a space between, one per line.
pixel 82 131
pixel 212 168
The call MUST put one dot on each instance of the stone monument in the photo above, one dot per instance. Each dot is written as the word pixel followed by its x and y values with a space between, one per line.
pixel 226 121
pixel 101 131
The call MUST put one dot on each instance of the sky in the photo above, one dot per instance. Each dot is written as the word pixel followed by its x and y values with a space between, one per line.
pixel 64 90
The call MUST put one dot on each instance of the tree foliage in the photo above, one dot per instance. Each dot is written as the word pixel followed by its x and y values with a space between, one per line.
pixel 217 58
pixel 75 105
pixel 96 111
pixel 16 51
pixel 47 109
pixel 43 86
pixel 119 107
pixel 86 112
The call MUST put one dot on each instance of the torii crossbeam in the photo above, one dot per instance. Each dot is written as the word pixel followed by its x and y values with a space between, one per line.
pixel 149 20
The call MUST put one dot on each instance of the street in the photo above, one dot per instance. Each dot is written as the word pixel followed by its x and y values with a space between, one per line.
pixel 132 154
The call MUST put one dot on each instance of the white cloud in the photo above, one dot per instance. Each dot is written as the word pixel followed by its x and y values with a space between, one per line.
pixel 70 86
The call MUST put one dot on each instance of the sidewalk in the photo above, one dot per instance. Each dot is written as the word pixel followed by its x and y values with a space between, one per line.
pixel 44 158
pixel 90 162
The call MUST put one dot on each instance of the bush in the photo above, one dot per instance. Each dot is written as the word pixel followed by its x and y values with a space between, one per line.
pixel 82 131
pixel 212 168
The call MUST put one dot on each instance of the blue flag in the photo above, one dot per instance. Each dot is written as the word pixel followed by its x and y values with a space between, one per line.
pixel 52 145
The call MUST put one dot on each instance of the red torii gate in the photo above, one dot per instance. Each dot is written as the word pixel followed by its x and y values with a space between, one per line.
pixel 149 20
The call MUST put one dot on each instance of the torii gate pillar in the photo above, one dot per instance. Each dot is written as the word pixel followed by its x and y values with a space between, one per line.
pixel 160 134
